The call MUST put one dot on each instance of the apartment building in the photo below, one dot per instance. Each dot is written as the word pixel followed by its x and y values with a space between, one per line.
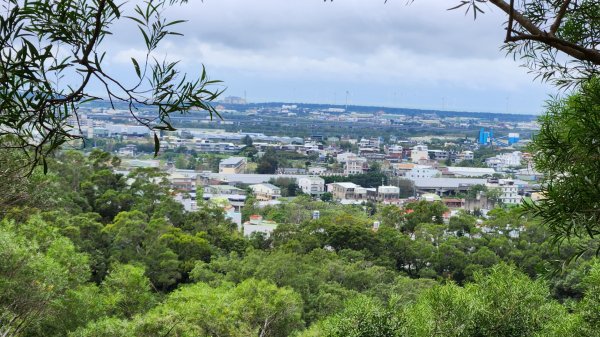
pixel 356 165
pixel 266 191
pixel 418 153
pixel 342 190
pixel 509 191
pixel 311 185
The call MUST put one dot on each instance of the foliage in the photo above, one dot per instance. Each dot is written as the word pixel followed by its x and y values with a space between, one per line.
pixel 566 152
pixel 147 268
pixel 361 317
pixel 52 52
pixel 268 162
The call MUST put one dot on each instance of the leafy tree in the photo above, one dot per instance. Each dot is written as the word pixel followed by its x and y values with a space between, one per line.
pixel 35 278
pixel 327 196
pixel 268 163
pixel 134 238
pixel 127 291
pixel 566 153
pixel 493 194
pixel 511 303
pixel 361 317
pixel 463 223
pixel 424 212
pixel 247 140
pixel 474 190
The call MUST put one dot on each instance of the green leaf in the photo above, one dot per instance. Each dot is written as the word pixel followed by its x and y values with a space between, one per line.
pixel 137 67
pixel 156 145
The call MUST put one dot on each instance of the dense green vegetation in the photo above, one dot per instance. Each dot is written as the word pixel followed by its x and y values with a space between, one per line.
pixel 95 253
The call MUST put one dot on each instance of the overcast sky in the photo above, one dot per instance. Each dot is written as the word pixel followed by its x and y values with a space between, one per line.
pixel 416 56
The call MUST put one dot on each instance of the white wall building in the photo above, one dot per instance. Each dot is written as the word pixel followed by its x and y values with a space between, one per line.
pixel 357 165
pixel 459 171
pixel 422 171
pixel 342 190
pixel 465 155
pixel 509 191
pixel 258 225
pixel 505 160
pixel 314 186
pixel 343 157
pixel 419 152
pixel 317 170
pixel 266 191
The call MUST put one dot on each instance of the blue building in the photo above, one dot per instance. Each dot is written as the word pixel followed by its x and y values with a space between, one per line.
pixel 485 137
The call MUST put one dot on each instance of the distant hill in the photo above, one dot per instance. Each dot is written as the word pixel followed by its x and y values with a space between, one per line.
pixel 388 110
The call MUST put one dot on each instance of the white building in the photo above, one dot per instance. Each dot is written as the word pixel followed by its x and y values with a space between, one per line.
pixel 388 193
pixel 343 157
pixel 188 200
pixel 258 225
pixel 419 152
pixel 505 160
pixel 509 191
pixel 266 191
pixel 317 170
pixel 314 186
pixel 357 165
pixel 459 171
pixel 128 151
pixel 422 171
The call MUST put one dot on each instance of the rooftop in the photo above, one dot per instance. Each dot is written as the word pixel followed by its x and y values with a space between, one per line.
pixel 347 185
pixel 231 161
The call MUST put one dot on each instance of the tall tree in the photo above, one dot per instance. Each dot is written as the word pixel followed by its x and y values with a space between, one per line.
pixel 567 151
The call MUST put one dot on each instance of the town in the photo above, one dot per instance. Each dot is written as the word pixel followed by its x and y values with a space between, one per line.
pixel 269 153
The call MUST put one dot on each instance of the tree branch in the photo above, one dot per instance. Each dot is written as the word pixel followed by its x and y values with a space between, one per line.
pixel 537 34
pixel 559 16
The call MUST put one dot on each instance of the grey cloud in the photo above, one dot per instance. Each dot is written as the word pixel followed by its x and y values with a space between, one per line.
pixel 268 44
pixel 349 26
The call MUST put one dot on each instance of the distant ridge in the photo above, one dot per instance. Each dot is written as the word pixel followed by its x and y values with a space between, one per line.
pixel 390 110
pixel 513 117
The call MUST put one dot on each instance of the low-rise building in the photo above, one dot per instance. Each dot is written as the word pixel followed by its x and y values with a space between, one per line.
pixel 357 165
pixel 128 151
pixel 342 190
pixel 388 193
pixel 505 160
pixel 459 171
pixel 422 171
pixel 312 185
pixel 181 181
pixel 317 170
pixel 439 155
pixel 232 165
pixel 418 153
pixel 257 224
pixel 266 191
pixel 465 155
